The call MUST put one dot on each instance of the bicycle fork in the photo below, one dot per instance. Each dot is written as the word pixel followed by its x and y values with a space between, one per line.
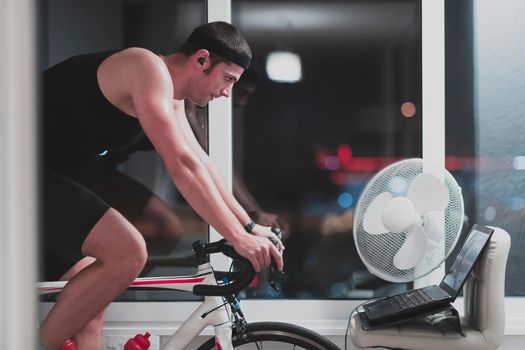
pixel 211 312
pixel 224 332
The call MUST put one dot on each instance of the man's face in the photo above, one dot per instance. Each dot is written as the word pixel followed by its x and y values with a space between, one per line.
pixel 216 83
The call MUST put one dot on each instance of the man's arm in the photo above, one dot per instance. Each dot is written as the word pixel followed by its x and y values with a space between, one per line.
pixel 219 182
pixel 151 92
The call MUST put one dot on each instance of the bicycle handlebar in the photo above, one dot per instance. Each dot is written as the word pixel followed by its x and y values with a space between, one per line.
pixel 241 278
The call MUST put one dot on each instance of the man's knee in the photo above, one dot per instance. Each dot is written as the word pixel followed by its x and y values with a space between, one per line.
pixel 115 241
pixel 130 263
pixel 135 258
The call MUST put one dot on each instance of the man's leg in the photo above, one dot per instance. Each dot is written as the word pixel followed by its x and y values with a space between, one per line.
pixel 90 337
pixel 120 254
pixel 157 222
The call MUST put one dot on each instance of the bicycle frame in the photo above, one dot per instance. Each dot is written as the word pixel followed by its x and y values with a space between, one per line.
pixel 212 312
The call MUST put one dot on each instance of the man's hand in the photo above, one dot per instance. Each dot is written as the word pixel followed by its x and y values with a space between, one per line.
pixel 263 231
pixel 259 250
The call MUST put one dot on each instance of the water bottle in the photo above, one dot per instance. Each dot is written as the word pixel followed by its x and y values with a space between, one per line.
pixel 68 345
pixel 139 342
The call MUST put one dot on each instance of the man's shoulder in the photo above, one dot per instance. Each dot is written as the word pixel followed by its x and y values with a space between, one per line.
pixel 129 71
pixel 137 55
pixel 133 62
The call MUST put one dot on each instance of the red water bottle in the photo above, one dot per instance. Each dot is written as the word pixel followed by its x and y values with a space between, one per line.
pixel 139 342
pixel 68 345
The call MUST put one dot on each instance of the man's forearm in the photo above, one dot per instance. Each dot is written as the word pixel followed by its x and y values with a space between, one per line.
pixel 218 181
pixel 198 188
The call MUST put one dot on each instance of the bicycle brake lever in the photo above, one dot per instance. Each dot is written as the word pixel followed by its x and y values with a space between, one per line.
pixel 278 232
pixel 274 277
pixel 274 273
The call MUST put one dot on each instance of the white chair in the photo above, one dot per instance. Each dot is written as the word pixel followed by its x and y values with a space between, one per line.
pixel 484 312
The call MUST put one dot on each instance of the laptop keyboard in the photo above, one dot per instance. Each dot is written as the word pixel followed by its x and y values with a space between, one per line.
pixel 412 299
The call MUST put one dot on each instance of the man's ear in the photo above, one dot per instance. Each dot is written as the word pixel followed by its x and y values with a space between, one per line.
pixel 201 58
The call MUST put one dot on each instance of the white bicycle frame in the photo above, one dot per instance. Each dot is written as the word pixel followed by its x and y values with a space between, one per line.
pixel 212 312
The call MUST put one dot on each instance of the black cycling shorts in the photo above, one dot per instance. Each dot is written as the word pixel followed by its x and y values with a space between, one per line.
pixel 74 201
pixel 70 211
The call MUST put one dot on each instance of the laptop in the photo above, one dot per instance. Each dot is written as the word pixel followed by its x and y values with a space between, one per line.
pixel 431 299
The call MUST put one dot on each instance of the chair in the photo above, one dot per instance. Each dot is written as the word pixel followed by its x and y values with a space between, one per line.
pixel 484 312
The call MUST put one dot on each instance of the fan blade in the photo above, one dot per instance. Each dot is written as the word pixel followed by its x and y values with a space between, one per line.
pixel 413 249
pixel 434 223
pixel 372 222
pixel 427 193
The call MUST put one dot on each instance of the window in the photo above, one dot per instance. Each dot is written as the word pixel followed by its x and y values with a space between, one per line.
pixel 307 148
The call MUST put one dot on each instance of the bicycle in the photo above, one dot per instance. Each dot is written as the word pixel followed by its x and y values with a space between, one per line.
pixel 219 289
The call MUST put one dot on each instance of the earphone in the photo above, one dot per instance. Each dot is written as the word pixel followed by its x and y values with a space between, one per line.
pixel 201 60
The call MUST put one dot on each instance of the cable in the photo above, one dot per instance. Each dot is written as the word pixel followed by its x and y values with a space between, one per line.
pixel 350 318
pixel 215 308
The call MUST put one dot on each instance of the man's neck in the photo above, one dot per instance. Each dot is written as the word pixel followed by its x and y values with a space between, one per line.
pixel 175 64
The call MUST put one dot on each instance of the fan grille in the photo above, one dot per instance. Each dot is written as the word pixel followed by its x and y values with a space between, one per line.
pixel 377 251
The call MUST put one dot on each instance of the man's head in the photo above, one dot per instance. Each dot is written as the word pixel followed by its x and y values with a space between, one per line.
pixel 219 54
pixel 223 41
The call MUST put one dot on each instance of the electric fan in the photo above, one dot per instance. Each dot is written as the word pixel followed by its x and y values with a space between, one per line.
pixel 406 221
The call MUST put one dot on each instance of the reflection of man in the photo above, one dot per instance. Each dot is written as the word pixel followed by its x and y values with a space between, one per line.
pixel 100 106
pixel 242 92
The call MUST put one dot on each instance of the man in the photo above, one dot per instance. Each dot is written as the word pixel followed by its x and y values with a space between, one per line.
pixel 101 105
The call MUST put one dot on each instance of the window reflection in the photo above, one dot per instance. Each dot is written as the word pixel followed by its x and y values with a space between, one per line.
pixel 306 149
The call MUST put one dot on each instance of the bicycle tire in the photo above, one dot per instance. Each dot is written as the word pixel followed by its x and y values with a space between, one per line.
pixel 262 333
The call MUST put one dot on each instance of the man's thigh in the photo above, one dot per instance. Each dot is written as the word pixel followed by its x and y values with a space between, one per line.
pixel 70 211
pixel 153 217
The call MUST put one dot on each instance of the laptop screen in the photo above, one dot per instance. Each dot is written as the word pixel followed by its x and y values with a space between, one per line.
pixel 465 260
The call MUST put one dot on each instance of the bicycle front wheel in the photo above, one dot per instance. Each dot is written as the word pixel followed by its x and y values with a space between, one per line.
pixel 276 336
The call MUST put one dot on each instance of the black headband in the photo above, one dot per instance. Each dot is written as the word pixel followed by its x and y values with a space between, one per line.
pixel 211 44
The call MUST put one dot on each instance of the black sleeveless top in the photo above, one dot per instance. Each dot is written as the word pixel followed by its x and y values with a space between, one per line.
pixel 79 124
